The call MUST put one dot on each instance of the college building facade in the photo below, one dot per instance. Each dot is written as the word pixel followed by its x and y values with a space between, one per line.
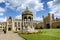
pixel 51 22
pixel 26 23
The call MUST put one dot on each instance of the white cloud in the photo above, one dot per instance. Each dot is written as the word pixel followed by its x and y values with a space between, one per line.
pixel 38 19
pixel 1 14
pixel 3 19
pixel 18 17
pixel 54 7
pixel 2 1
pixel 36 5
pixel 23 3
pixel 41 19
pixel 50 4
pixel 2 10
pixel 20 5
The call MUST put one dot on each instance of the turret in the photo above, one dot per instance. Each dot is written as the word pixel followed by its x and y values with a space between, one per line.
pixel 53 16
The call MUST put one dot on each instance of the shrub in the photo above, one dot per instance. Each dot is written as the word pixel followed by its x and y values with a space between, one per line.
pixel 39 27
pixel 40 31
pixel 36 27
pixel 35 32
pixel 57 26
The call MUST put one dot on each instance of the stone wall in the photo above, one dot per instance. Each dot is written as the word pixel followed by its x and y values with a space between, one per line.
pixel 55 24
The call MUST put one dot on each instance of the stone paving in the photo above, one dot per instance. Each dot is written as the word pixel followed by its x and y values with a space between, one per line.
pixel 10 36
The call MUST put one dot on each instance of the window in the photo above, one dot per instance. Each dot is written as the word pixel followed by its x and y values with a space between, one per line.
pixel 15 24
pixel 18 24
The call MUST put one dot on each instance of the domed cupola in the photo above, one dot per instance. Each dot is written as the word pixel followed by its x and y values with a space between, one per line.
pixel 27 12
pixel 27 20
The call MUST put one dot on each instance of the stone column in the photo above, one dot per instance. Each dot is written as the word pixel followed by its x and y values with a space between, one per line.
pixel 13 26
pixel 7 26
pixel 1 26
pixel 17 26
pixel 23 24
pixel 20 26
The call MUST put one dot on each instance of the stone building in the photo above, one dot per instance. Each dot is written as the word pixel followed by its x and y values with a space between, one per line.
pixel 3 25
pixel 50 22
pixel 28 24
pixel 24 24
pixel 56 23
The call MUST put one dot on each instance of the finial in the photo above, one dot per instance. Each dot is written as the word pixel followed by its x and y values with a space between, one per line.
pixel 10 17
pixel 26 8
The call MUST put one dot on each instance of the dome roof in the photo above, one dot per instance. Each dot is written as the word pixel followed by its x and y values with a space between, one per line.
pixel 27 12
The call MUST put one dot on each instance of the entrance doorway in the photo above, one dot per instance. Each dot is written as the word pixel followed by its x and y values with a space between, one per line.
pixel 48 26
pixel 9 29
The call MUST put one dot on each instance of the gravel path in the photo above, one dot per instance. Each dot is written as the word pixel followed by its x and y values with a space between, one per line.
pixel 10 36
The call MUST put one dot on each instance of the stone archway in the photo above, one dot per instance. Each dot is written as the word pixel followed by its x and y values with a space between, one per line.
pixel 9 29
pixel 48 26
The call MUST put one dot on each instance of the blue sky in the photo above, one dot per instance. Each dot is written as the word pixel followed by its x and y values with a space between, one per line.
pixel 39 8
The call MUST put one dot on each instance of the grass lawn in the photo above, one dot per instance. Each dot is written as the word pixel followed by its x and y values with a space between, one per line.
pixel 47 34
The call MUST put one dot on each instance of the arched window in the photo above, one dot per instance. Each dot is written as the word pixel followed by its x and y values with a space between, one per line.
pixel 25 17
pixel 29 18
